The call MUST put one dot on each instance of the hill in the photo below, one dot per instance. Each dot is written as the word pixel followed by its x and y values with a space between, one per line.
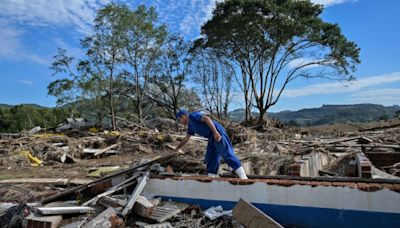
pixel 331 114
pixel 26 105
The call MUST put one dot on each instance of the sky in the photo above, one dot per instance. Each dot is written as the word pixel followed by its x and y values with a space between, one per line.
pixel 31 31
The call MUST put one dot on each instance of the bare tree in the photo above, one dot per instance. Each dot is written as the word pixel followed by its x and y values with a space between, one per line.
pixel 215 77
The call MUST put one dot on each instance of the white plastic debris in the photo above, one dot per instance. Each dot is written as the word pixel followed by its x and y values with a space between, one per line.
pixel 216 212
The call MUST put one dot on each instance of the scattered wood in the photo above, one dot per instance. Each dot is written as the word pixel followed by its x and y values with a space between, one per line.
pixel 106 149
pixel 122 173
pixel 107 219
pixel 250 216
pixel 145 149
pixel 143 207
pixel 108 201
pixel 135 194
pixel 122 185
pixel 54 181
pixel 77 224
pixel 158 225
pixel 43 221
pixel 101 171
pixel 326 172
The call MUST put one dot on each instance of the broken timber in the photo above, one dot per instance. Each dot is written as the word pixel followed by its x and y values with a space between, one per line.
pixel 118 187
pixel 135 194
pixel 107 218
pixel 106 149
pixel 250 216
pixel 54 181
pixel 99 181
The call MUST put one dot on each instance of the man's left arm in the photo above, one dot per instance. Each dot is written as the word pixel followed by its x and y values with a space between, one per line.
pixel 207 120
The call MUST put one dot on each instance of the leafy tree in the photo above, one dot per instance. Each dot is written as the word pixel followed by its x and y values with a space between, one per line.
pixel 142 47
pixel 25 117
pixel 99 76
pixel 273 42
pixel 167 88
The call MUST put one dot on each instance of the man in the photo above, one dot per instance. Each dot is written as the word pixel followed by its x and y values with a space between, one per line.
pixel 218 146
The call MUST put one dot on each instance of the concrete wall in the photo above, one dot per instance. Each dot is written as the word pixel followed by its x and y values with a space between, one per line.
pixel 310 164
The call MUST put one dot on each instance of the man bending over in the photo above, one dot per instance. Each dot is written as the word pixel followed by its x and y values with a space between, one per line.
pixel 218 146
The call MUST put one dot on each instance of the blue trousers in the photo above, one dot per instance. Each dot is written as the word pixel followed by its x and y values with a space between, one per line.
pixel 216 150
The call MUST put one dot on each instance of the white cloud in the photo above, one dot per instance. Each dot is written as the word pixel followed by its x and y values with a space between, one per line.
pixel 342 87
pixel 78 13
pixel 327 3
pixel 383 96
pixel 197 13
pixel 11 45
pixel 301 61
pixel 18 15
pixel 25 82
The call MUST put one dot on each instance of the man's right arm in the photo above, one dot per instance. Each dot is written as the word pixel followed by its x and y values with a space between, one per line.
pixel 183 142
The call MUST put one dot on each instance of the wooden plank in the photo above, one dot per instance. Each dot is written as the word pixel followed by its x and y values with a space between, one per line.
pixel 143 206
pixel 106 149
pixel 69 192
pixel 135 194
pixel 250 216
pixel 106 219
pixel 117 187
pixel 54 181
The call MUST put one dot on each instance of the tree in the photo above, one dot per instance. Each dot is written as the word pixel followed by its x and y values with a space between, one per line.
pixel 214 76
pixel 99 76
pixel 167 88
pixel 142 47
pixel 273 42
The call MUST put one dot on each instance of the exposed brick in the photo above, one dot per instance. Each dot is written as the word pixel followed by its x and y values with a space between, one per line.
pixel 344 184
pixel 325 183
pixel 396 187
pixel 287 183
pixel 272 181
pixel 374 187
pixel 303 182
pixel 387 186
pixel 362 186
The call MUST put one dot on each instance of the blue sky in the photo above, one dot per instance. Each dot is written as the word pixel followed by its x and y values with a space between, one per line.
pixel 31 31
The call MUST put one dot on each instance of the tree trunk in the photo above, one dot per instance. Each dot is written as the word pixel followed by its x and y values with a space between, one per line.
pixel 113 121
pixel 262 113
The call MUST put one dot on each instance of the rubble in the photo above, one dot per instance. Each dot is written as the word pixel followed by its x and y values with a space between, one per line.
pixel 106 172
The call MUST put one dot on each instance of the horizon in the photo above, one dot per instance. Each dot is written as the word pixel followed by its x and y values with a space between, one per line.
pixel 233 110
pixel 32 32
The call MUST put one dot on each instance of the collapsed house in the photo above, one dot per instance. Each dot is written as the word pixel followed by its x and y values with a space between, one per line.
pixel 132 178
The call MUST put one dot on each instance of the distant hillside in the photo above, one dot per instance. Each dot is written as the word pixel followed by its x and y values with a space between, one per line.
pixel 330 114
pixel 238 115
pixel 28 105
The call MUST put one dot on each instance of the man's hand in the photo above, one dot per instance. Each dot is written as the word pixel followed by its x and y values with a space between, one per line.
pixel 217 136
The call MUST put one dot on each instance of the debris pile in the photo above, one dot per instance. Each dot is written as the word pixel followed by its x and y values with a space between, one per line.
pixel 82 176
